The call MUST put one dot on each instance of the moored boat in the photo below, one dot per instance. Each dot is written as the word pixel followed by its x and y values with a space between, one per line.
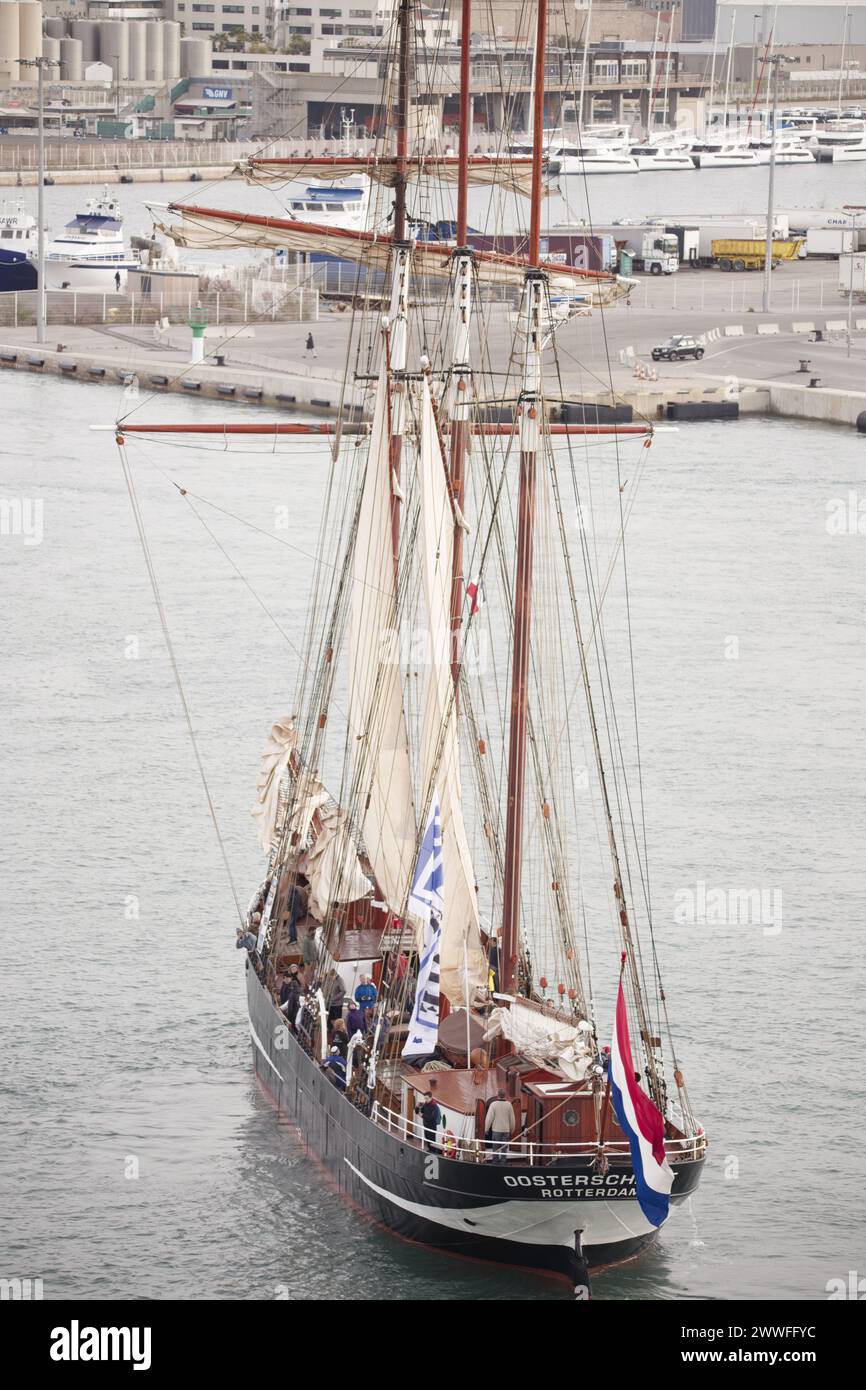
pixel 90 253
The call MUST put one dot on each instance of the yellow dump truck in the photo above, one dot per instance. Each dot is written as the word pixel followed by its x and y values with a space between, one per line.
pixel 749 255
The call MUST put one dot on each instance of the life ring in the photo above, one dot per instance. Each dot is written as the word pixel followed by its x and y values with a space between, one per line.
pixel 449 1144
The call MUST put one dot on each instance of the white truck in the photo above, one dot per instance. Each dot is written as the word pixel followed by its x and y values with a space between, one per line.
pixel 659 253
pixel 830 241
pixel 651 247
pixel 852 275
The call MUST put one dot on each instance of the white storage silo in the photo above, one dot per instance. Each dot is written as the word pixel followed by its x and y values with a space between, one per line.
pixel 55 27
pixel 154 50
pixel 71 60
pixel 137 31
pixel 87 30
pixel 51 51
pixel 195 58
pixel 9 41
pixel 170 50
pixel 114 47
pixel 29 33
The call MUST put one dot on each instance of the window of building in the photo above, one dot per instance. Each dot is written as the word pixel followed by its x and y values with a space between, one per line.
pixel 206 28
pixel 233 9
pixel 299 67
pixel 203 9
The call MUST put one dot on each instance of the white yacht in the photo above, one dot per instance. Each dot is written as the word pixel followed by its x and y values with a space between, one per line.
pixel 335 205
pixel 661 156
pixel 718 154
pixel 90 253
pixel 841 141
pixel 593 159
pixel 790 149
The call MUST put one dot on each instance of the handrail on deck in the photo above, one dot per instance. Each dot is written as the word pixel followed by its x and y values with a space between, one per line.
pixel 520 1148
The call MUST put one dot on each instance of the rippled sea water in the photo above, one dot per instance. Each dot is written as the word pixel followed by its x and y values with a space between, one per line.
pixel 142 1158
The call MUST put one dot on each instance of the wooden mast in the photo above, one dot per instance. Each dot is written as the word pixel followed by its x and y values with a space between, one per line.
pixel 461 372
pixel 403 36
pixel 534 292
pixel 396 336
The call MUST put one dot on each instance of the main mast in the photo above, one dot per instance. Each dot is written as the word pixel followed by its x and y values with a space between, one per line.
pixel 396 337
pixel 530 434
pixel 461 372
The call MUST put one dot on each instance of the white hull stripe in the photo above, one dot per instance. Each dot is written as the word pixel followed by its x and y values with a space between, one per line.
pixel 258 1043
pixel 530 1223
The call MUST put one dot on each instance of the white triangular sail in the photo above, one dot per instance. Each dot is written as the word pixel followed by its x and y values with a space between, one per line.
pixel 383 783
pixel 440 754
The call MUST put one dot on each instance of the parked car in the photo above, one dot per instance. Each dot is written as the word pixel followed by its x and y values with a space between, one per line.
pixel 677 348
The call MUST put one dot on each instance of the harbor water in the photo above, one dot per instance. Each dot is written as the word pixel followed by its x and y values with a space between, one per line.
pixel 142 1159
pixel 601 198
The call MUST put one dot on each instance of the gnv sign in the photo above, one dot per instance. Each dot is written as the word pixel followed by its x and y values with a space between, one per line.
pixel 216 93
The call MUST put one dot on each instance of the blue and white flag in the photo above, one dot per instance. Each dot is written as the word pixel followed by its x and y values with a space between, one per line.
pixel 426 901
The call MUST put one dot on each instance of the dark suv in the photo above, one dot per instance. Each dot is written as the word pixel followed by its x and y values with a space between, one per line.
pixel 675 349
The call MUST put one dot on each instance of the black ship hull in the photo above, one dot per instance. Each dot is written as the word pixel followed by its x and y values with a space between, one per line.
pixel 514 1213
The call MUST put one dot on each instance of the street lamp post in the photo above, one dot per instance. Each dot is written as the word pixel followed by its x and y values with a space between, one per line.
pixel 853 208
pixel 768 253
pixel 40 64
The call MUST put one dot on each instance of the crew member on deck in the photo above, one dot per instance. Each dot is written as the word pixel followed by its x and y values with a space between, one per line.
pixel 431 1119
pixel 335 1066
pixel 499 1125
pixel 356 1021
pixel 366 993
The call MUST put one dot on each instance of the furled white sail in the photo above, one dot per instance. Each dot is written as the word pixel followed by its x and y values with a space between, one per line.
pixel 383 783
pixel 514 174
pixel 440 754
pixel 332 866
pixel 276 757
pixel 544 1036
pixel 214 228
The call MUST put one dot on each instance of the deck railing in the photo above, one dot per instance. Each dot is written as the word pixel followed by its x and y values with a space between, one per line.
pixel 521 1148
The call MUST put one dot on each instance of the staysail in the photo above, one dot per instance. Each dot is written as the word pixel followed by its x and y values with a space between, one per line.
pixel 383 783
pixel 211 228
pixel 461 946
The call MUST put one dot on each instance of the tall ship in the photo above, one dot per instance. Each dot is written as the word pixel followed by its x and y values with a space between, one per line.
pixel 451 969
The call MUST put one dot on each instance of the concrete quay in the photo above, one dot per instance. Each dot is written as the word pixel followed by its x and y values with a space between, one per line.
pixel 766 362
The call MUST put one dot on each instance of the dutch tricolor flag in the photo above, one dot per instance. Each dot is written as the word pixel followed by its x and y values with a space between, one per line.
pixel 642 1122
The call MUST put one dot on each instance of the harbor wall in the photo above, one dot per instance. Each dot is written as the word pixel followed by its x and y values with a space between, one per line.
pixel 245 383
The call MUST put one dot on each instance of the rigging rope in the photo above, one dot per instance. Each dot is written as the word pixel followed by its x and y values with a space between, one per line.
pixel 160 608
